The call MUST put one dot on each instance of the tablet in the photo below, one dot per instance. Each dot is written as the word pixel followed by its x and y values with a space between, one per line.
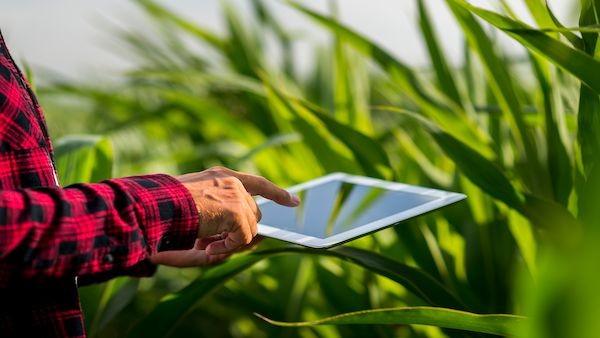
pixel 339 207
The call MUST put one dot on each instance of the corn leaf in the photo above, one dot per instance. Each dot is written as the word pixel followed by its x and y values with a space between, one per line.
pixel 351 88
pixel 454 121
pixel 442 71
pixel 101 303
pixel 558 159
pixel 481 171
pixel 173 307
pixel 369 154
pixel 413 279
pixel 83 158
pixel 330 152
pixel 576 62
pixel 498 76
pixel 543 16
pixel 498 324
pixel 588 117
pixel 589 212
pixel 158 11
pixel 341 297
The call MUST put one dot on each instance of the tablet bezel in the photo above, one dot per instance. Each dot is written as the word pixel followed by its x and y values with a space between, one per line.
pixel 443 198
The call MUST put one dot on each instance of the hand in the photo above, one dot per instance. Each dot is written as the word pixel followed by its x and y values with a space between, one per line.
pixel 197 255
pixel 225 205
pixel 193 257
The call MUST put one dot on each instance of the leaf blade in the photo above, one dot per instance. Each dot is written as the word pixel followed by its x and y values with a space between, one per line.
pixel 576 62
pixel 499 324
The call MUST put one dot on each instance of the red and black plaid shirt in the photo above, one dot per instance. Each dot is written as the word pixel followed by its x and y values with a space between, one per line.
pixel 49 235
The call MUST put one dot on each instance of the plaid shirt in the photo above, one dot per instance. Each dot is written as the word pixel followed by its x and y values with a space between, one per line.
pixel 49 235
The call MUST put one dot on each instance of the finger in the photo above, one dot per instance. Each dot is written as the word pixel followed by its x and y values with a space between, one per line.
pixel 215 259
pixel 201 243
pixel 234 240
pixel 240 235
pixel 180 258
pixel 252 224
pixel 254 207
pixel 255 241
pixel 253 216
pixel 258 185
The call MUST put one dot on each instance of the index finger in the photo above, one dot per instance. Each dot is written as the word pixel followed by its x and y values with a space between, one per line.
pixel 258 185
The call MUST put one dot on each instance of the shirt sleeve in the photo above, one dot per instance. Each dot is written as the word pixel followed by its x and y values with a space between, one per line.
pixel 103 229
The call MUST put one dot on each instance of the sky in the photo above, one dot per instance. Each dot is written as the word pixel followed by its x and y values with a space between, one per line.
pixel 74 37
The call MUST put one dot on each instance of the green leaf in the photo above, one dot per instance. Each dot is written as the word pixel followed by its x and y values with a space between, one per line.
pixel 521 230
pixel 371 156
pixel 369 153
pixel 489 178
pixel 576 62
pixel 159 11
pixel 271 142
pixel 413 279
pixel 481 171
pixel 442 71
pixel 558 159
pixel 452 120
pixel 244 47
pixel 539 12
pixel 499 78
pixel 498 324
pixel 101 303
pixel 350 88
pixel 330 152
pixel 576 41
pixel 441 176
pixel 589 212
pixel 284 37
pixel 543 16
pixel 588 117
pixel 559 224
pixel 83 158
pixel 173 307
pixel 340 297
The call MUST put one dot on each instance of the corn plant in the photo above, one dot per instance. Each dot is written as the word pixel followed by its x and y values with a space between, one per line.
pixel 517 259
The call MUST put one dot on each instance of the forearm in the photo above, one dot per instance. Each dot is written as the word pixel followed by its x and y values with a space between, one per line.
pixel 95 229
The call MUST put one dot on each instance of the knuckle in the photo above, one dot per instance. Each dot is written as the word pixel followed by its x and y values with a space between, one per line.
pixel 247 237
pixel 249 215
pixel 258 215
pixel 217 168
pixel 238 218
pixel 261 179
pixel 232 181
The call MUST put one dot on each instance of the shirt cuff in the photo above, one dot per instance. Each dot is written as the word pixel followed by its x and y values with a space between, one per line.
pixel 166 211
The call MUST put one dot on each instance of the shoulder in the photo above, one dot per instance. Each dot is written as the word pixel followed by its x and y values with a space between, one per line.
pixel 19 128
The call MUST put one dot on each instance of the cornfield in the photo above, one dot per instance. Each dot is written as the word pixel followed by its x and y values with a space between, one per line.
pixel 519 136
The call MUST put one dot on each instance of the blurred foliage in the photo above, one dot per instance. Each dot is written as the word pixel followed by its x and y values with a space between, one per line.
pixel 519 136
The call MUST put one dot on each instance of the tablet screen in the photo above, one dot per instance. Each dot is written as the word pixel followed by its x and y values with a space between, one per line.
pixel 337 206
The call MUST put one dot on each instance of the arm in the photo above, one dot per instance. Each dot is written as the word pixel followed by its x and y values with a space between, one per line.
pixel 110 227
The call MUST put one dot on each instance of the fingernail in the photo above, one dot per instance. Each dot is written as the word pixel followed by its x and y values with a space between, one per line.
pixel 295 199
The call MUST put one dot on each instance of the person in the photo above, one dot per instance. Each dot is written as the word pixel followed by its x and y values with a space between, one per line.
pixel 53 239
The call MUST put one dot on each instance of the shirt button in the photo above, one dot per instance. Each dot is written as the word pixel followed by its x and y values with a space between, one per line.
pixel 109 258
pixel 165 243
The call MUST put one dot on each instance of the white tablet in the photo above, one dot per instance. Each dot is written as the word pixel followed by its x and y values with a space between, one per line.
pixel 339 207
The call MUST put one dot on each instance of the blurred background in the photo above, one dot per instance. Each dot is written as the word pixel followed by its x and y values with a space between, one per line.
pixel 77 39
pixel 495 99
